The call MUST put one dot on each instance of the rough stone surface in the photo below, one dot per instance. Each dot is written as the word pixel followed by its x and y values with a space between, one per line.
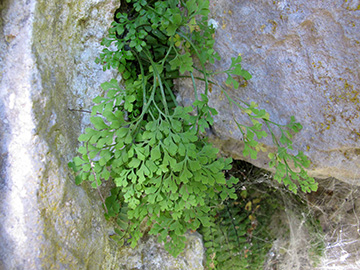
pixel 151 255
pixel 304 58
pixel 47 222
pixel 47 53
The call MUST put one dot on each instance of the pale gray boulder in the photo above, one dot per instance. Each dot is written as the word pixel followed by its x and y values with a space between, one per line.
pixel 304 58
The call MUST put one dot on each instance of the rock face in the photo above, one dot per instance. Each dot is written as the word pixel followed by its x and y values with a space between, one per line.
pixel 151 255
pixel 47 66
pixel 304 58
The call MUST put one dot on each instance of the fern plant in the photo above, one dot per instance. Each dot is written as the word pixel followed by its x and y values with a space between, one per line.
pixel 238 237
pixel 225 238
pixel 164 170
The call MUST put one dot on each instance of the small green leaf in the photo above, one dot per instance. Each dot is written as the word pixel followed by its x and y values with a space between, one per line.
pixel 184 62
pixel 155 153
pixel 98 123
pixel 134 163
pixel 78 161
pixel 191 6
pixel 194 165
pixel 151 190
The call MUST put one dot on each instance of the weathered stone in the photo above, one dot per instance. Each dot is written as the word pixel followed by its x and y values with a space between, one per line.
pixel 151 255
pixel 304 58
pixel 47 67
pixel 48 222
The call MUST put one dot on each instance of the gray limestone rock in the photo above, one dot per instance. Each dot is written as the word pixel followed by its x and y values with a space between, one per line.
pixel 304 58
pixel 149 254
pixel 47 67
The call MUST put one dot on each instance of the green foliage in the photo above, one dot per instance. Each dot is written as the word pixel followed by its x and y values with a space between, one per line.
pixel 238 237
pixel 224 239
pixel 282 159
pixel 154 151
pixel 243 230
